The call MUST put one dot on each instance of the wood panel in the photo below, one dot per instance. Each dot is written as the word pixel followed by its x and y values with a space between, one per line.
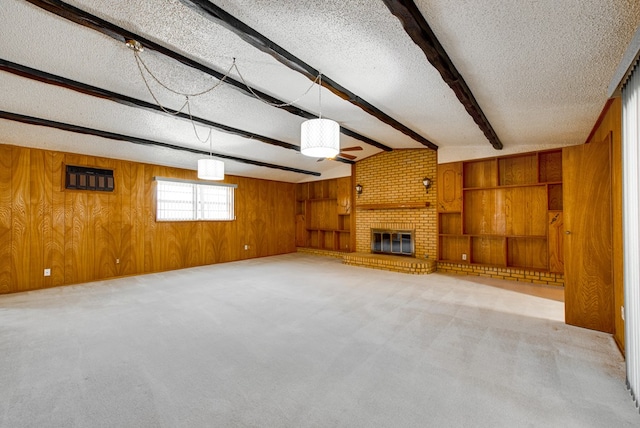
pixel 301 230
pixel 550 166
pixel 449 187
pixel 135 258
pixel 588 247
pixel 80 235
pixel 518 170
pixel 480 174
pixel 302 191
pixel 152 257
pixel 343 195
pixel 253 224
pixel 6 281
pixel 55 256
pixel 450 223
pixel 555 197
pixel 322 215
pixel 106 228
pixel 452 247
pixel 484 212
pixel 261 241
pixel 20 219
pixel 284 211
pixel 488 251
pixel 525 211
pixel 39 218
pixel 556 242
pixel 530 253
pixel 79 225
pixel 343 241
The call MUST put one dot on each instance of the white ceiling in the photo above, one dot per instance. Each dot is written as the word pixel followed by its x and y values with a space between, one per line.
pixel 538 69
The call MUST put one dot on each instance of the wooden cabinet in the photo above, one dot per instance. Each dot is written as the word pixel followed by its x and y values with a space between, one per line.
pixel 323 214
pixel 497 211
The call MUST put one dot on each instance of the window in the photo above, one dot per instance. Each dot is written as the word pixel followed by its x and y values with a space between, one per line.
pixel 185 200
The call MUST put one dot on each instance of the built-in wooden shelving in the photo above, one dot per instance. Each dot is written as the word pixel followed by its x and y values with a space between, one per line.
pixel 502 211
pixel 323 215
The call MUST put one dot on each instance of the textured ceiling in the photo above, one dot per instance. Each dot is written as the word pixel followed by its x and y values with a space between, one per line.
pixel 538 69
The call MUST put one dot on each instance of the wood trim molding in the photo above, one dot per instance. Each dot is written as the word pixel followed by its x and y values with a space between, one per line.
pixel 396 206
pixel 418 29
pixel 261 42
pixel 93 22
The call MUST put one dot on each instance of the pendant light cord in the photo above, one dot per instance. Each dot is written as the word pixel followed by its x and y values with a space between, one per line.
pixel 320 94
pixel 142 68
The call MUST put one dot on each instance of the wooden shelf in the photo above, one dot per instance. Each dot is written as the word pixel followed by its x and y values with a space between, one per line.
pixel 311 229
pixel 508 186
pixel 488 235
pixel 399 206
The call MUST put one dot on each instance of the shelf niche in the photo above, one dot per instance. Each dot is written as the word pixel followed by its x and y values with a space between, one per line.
pixel 323 215
pixel 502 217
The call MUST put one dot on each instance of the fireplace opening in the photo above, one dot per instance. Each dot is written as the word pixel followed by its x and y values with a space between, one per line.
pixel 399 242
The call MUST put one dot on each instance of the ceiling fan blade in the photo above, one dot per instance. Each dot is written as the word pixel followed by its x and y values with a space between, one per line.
pixel 351 149
pixel 347 156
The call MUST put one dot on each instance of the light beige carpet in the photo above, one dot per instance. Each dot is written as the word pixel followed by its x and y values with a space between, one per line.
pixel 301 341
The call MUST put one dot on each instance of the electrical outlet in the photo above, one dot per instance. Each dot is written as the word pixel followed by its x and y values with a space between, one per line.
pixel 47 272
pixel 246 247
pixel 117 261
pixel 464 256
pixel 622 312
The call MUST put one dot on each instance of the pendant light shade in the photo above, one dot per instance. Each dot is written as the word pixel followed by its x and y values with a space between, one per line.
pixel 210 169
pixel 320 138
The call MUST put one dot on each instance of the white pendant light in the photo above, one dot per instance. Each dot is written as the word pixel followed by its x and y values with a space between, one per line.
pixel 320 137
pixel 210 168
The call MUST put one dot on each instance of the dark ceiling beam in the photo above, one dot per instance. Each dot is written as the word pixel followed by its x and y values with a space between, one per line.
pixel 142 141
pixel 258 40
pixel 418 29
pixel 88 20
pixel 63 82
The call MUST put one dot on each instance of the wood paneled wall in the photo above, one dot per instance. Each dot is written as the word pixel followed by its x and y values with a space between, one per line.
pixel 85 236
pixel 610 127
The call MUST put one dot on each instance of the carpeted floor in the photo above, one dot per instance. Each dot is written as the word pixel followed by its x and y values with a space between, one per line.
pixel 302 341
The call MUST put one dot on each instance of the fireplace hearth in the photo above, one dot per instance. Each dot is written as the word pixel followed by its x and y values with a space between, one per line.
pixel 396 242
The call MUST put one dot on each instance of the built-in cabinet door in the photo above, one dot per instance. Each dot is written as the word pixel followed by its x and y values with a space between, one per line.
pixel 449 185
pixel 556 242
pixel 587 242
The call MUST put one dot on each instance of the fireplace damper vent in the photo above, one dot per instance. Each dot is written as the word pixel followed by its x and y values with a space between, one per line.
pixel 399 242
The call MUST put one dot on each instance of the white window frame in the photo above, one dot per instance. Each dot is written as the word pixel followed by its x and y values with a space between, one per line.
pixel 194 200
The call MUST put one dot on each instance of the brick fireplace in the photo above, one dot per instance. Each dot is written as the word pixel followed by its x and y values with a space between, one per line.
pixel 392 195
